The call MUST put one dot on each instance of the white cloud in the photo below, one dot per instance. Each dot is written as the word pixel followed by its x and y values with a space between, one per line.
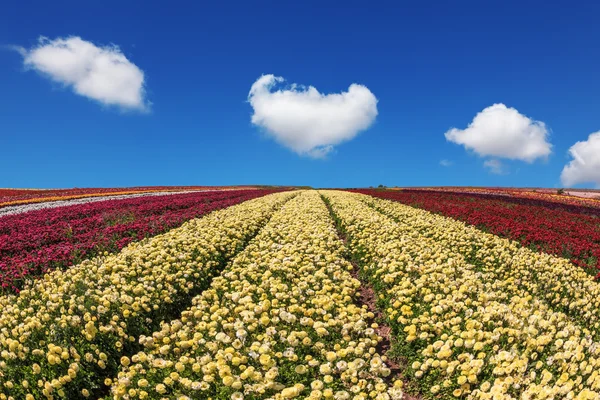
pixel 306 121
pixel 585 166
pixel 499 131
pixel 446 163
pixel 103 74
pixel 495 166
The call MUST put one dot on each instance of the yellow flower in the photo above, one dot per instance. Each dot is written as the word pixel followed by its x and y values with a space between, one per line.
pixel 160 388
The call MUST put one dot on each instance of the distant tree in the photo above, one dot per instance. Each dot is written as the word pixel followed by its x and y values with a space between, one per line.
pixel 560 191
pixel 381 187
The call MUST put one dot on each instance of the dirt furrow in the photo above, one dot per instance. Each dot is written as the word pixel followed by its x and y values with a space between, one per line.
pixel 368 298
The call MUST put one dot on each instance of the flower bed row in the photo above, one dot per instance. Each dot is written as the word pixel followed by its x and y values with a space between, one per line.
pixel 38 241
pixel 20 209
pixel 63 335
pixel 25 194
pixel 567 198
pixel 566 231
pixel 565 287
pixel 464 331
pixel 522 198
pixel 10 197
pixel 279 323
pixel 580 197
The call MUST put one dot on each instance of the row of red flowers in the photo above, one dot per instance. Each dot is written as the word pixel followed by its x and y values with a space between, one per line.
pixel 25 196
pixel 562 229
pixel 37 241
pixel 569 197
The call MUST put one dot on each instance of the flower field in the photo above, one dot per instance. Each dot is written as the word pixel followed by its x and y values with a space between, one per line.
pixel 11 197
pixel 586 198
pixel 42 205
pixel 304 294
pixel 37 241
pixel 565 230
pixel 475 321
pixel 63 335
pixel 280 320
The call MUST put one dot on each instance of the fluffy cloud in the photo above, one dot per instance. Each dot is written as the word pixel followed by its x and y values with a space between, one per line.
pixel 499 131
pixel 585 166
pixel 306 121
pixel 495 166
pixel 446 163
pixel 103 74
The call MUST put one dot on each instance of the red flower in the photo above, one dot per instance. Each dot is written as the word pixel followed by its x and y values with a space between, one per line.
pixel 39 241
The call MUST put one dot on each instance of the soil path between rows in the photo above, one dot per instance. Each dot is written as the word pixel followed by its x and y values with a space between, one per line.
pixel 367 297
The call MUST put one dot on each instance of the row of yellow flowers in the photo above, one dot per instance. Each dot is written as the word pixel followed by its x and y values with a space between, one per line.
pixel 60 337
pixel 279 323
pixel 465 331
pixel 564 286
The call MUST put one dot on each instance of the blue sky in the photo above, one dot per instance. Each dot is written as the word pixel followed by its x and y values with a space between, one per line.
pixel 432 66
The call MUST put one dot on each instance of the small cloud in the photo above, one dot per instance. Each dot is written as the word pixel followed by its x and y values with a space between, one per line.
pixel 103 73
pixel 495 166
pixel 499 131
pixel 585 166
pixel 308 122
pixel 18 49
pixel 446 163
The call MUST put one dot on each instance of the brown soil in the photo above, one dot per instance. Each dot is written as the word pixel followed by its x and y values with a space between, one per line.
pixel 366 297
